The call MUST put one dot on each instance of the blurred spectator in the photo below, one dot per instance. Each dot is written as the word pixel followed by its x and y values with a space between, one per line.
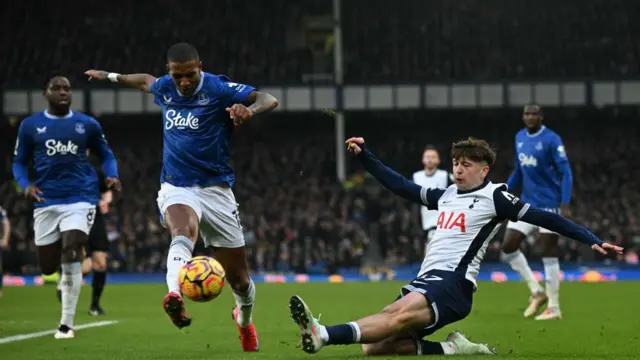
pixel 289 41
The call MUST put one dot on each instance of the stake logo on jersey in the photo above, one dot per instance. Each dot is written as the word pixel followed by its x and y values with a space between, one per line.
pixel 542 168
pixel 58 147
pixel 197 130
pixel 467 222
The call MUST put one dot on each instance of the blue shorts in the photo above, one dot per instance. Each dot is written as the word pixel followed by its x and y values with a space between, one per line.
pixel 449 294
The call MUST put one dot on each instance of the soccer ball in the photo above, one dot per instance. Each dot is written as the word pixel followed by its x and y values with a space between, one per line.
pixel 201 279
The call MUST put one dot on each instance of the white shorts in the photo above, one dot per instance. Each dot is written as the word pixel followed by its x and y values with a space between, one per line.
pixel 215 207
pixel 527 229
pixel 49 222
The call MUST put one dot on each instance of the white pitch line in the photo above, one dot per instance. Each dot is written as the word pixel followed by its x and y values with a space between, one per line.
pixel 14 338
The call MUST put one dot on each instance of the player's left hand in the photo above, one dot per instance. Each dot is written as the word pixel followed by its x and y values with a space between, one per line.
pixel 565 210
pixel 240 113
pixel 113 184
pixel 603 249
pixel 355 144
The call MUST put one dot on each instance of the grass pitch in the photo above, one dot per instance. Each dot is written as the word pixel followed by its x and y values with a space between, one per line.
pixel 600 321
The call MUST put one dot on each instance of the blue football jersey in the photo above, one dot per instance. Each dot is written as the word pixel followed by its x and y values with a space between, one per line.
pixel 58 147
pixel 197 130
pixel 542 168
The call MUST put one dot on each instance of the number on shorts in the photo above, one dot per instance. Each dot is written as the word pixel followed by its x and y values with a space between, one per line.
pixel 91 216
pixel 236 214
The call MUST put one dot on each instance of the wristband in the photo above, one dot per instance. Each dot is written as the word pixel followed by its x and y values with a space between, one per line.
pixel 113 77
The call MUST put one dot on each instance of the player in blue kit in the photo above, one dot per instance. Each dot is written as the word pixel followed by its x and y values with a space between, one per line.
pixel 200 112
pixel 65 190
pixel 543 173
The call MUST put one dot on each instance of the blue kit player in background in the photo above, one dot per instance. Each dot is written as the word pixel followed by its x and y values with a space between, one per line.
pixel 200 111
pixel 4 243
pixel 470 214
pixel 543 173
pixel 65 187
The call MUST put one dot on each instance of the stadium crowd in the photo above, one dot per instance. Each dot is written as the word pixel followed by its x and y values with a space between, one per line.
pixel 298 218
pixel 412 41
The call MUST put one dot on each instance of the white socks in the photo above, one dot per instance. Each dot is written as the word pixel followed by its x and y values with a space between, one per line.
pixel 245 304
pixel 180 251
pixel 70 283
pixel 552 277
pixel 519 264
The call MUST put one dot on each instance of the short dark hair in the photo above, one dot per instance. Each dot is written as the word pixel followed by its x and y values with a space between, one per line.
pixel 430 147
pixel 182 52
pixel 52 76
pixel 473 149
pixel 533 104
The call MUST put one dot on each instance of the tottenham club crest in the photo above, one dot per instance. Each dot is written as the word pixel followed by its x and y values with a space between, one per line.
pixel 79 128
pixel 203 99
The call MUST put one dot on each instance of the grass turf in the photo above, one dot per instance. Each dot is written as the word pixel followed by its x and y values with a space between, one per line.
pixel 600 321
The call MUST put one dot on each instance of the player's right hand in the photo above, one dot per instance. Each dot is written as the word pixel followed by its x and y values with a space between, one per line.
pixel 602 249
pixel 32 192
pixel 354 144
pixel 113 184
pixel 96 75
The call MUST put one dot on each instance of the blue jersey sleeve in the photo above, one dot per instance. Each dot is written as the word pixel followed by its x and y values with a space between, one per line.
pixel 515 179
pixel 159 88
pixel 22 155
pixel 561 162
pixel 234 92
pixel 98 143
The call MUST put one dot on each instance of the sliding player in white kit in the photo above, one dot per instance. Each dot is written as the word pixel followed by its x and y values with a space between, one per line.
pixel 431 178
pixel 469 216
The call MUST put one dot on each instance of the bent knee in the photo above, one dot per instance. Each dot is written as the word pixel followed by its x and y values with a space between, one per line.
pixel 384 347
pixel 373 349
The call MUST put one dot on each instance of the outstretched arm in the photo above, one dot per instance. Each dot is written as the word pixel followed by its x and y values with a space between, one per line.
pixel 141 82
pixel 261 102
pixel 508 206
pixel 392 180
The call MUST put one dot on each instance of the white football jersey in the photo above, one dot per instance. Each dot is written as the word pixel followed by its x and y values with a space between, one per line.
pixel 466 222
pixel 440 179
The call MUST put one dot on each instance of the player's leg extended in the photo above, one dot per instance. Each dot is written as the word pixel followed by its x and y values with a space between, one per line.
pixel 396 320
pixel 386 333
pixel 73 242
pixel 512 255
pixel 549 242
pixel 182 221
pixel 222 230
pixel 99 268
pixel 234 260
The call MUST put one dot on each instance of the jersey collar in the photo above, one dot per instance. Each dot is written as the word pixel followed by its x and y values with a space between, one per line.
pixel 50 116
pixel 537 132
pixel 197 89
pixel 462 192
